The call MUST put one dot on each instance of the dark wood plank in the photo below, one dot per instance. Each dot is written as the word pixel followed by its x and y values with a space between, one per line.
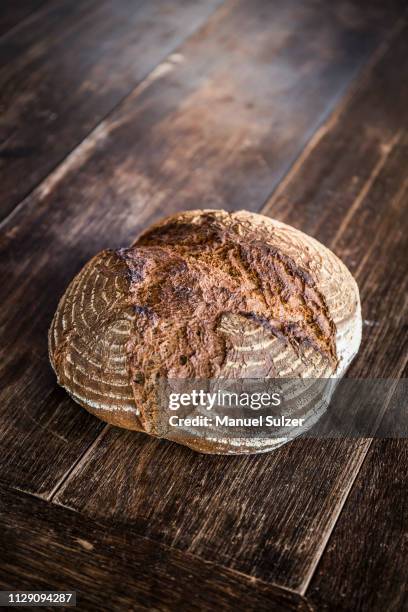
pixel 81 58
pixel 65 70
pixel 270 516
pixel 211 126
pixel 13 12
pixel 350 193
pixel 364 566
pixel 50 548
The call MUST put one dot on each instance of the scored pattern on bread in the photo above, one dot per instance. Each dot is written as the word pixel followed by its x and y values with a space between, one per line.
pixel 88 339
pixel 202 294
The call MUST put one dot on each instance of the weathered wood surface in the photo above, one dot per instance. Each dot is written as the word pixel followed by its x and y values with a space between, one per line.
pixel 50 548
pixel 258 94
pixel 68 67
pixel 218 123
pixel 278 510
pixel 364 567
pixel 351 193
pixel 370 536
pixel 14 12
pixel 214 125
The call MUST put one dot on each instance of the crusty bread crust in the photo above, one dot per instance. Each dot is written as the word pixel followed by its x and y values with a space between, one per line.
pixel 202 294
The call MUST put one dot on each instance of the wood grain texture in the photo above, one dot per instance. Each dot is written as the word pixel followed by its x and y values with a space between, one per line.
pixel 258 96
pixel 270 516
pixel 350 192
pixel 364 567
pixel 50 548
pixel 68 67
pixel 13 12
pixel 162 150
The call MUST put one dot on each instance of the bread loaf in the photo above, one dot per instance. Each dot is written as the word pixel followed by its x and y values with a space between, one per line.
pixel 207 295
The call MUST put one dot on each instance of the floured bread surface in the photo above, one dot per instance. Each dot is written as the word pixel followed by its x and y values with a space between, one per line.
pixel 206 295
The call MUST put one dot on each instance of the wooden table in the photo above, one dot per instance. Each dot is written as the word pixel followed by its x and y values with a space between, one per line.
pixel 114 113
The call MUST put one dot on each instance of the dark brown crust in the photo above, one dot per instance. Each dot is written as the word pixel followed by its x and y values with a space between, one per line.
pixel 185 276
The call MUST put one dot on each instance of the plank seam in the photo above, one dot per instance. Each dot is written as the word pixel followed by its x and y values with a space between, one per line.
pixel 335 516
pixel 188 554
pixel 85 144
pixel 376 241
pixel 12 487
pixel 337 512
pixel 360 79
pixel 385 153
pixel 76 465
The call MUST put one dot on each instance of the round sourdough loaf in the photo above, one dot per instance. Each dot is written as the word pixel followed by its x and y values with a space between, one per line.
pixel 203 294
